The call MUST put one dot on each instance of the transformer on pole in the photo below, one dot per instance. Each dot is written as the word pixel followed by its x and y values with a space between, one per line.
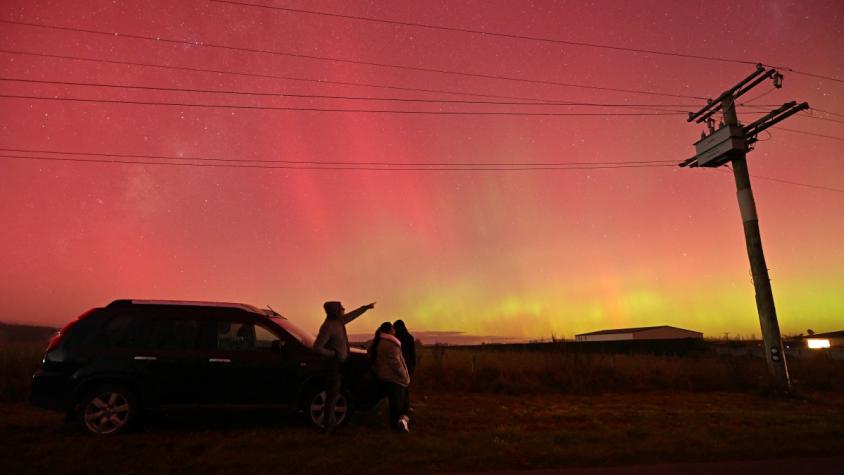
pixel 729 144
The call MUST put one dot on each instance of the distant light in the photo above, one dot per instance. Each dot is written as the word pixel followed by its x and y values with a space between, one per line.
pixel 816 343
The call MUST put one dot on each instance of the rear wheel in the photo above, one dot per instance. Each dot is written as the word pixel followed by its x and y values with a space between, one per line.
pixel 108 410
pixel 315 405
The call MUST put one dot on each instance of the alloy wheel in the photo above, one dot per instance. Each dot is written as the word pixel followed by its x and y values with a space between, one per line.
pixel 106 413
pixel 317 409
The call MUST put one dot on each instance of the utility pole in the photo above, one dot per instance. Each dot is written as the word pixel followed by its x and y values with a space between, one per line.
pixel 729 144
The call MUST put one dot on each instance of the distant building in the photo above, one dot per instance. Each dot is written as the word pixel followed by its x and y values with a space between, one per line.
pixel 663 332
pixel 825 340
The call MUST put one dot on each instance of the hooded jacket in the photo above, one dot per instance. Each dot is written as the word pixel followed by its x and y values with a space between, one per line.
pixel 389 362
pixel 332 342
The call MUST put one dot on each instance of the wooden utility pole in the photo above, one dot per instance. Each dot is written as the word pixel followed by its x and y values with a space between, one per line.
pixel 730 144
pixel 777 365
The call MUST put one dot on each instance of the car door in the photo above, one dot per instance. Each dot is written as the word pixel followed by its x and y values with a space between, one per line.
pixel 247 362
pixel 156 350
pixel 173 358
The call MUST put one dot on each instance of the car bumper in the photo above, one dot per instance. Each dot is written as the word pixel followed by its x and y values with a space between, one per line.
pixel 50 390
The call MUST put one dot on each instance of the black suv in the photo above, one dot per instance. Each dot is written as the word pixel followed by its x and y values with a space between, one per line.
pixel 110 364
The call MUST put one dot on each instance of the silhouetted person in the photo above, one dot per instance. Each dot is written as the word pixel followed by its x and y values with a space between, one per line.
pixel 408 351
pixel 408 345
pixel 332 342
pixel 391 371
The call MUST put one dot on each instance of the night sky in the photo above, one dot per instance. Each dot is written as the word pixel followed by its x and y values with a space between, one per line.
pixel 521 253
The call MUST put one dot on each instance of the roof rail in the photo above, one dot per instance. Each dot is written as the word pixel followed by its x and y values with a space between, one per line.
pixel 192 303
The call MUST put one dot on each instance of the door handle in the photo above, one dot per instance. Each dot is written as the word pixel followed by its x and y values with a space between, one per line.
pixel 145 358
pixel 219 360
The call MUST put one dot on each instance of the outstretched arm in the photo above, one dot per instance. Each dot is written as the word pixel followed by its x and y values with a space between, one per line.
pixel 347 318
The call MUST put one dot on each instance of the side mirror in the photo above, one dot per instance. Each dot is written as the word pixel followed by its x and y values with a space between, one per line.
pixel 278 345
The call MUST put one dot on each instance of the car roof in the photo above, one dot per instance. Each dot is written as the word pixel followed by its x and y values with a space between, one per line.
pixel 265 312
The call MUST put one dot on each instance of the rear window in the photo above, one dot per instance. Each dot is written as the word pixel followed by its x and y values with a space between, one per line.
pixel 86 332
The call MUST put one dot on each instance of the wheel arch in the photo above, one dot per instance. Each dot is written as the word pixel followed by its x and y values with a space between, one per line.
pixel 83 387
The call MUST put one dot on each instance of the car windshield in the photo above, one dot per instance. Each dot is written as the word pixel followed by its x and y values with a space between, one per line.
pixel 304 337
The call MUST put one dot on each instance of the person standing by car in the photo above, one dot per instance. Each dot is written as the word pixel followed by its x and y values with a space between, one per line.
pixel 332 342
pixel 408 351
pixel 408 345
pixel 391 371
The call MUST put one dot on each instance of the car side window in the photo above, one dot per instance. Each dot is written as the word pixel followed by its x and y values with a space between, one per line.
pixel 124 331
pixel 264 338
pixel 244 336
pixel 172 334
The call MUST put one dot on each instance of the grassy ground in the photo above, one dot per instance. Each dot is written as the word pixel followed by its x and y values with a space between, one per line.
pixel 475 410
pixel 452 432
pixel 18 361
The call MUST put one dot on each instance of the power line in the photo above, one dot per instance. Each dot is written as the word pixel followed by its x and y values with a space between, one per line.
pixel 486 33
pixel 267 76
pixel 388 169
pixel 324 81
pixel 804 73
pixel 332 167
pixel 524 37
pixel 748 101
pixel 320 96
pixel 645 106
pixel 342 60
pixel 806 115
pixel 789 182
pixel 826 119
pixel 318 109
pixel 804 132
pixel 838 114
pixel 312 162
pixel 807 185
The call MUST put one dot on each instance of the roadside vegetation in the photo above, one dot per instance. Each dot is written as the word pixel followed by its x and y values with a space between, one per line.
pixel 498 370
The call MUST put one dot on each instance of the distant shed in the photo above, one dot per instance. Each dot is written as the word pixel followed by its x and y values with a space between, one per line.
pixel 663 332
pixel 825 340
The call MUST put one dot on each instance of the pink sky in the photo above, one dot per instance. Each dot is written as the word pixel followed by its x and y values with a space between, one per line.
pixel 519 253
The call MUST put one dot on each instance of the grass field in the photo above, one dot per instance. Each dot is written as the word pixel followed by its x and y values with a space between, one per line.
pixel 474 410
pixel 519 372
pixel 452 432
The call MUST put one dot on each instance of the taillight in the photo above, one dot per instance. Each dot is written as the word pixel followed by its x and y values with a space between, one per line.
pixel 57 338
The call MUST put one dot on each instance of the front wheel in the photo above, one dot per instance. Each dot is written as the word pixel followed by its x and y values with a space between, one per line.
pixel 315 404
pixel 108 410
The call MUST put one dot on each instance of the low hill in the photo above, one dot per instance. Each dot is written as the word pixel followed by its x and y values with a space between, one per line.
pixel 15 333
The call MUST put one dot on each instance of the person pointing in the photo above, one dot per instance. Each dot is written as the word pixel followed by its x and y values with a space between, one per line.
pixel 332 343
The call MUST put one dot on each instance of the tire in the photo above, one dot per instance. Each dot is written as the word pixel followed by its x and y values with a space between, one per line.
pixel 313 407
pixel 108 410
